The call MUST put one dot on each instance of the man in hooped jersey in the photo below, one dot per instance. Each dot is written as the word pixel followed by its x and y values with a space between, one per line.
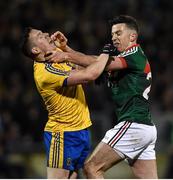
pixel 133 138
pixel 66 135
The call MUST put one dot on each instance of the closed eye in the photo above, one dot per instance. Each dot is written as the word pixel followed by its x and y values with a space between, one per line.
pixel 118 33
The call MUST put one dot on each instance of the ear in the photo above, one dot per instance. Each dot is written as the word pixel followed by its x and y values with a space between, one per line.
pixel 36 50
pixel 133 37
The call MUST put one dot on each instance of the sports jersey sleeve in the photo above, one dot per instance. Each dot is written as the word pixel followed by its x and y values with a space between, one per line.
pixel 133 60
pixel 56 75
pixel 129 61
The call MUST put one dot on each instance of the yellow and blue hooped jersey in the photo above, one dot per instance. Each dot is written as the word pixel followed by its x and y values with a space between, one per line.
pixel 66 105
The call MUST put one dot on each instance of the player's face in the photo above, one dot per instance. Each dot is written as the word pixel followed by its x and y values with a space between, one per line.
pixel 41 40
pixel 121 36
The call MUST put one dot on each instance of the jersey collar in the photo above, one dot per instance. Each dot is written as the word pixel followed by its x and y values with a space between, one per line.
pixel 134 45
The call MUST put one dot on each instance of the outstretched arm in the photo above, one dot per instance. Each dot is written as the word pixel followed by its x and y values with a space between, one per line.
pixel 79 58
pixel 71 56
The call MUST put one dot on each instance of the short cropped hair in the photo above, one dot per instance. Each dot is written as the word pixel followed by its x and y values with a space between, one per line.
pixel 128 20
pixel 26 45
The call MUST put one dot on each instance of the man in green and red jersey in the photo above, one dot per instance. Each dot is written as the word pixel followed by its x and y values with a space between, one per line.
pixel 134 137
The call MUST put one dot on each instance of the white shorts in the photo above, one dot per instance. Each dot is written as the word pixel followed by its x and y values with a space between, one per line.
pixel 132 140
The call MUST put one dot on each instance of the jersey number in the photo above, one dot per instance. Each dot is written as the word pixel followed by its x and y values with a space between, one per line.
pixel 147 90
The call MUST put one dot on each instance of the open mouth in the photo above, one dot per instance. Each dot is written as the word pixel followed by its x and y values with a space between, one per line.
pixel 116 44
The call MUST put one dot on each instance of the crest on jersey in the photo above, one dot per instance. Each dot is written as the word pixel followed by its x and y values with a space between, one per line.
pixel 68 161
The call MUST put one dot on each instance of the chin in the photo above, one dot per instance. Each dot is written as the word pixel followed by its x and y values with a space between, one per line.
pixel 120 50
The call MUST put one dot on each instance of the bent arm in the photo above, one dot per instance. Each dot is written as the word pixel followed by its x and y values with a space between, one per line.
pixel 90 73
pixel 116 63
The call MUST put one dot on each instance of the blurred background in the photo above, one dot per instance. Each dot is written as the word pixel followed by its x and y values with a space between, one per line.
pixel 85 23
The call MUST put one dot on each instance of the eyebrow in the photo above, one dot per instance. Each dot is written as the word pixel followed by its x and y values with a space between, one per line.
pixel 118 31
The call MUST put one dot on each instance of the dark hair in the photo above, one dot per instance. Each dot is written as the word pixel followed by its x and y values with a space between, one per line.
pixel 128 20
pixel 26 44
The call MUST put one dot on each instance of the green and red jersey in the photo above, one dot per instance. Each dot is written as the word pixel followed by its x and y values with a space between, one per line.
pixel 131 87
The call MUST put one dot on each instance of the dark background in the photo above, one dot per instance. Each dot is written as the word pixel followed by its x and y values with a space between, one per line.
pixel 85 24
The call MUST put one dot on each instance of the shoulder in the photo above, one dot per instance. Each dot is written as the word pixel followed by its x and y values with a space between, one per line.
pixel 130 51
pixel 46 71
pixel 55 68
pixel 50 76
pixel 134 57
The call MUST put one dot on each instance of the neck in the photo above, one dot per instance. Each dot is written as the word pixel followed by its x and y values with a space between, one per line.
pixel 40 58
pixel 131 44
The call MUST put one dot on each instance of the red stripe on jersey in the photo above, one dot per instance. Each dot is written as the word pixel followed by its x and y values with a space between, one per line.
pixel 147 68
pixel 124 63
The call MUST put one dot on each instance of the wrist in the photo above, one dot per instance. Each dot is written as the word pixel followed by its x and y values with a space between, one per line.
pixel 66 56
pixel 61 46
pixel 67 48
pixel 104 55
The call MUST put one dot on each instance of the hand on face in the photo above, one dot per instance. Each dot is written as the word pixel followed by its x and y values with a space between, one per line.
pixel 59 39
pixel 55 56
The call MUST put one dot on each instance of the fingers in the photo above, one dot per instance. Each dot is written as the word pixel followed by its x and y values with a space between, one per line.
pixel 58 36
pixel 59 39
pixel 54 36
pixel 55 56
pixel 48 55
pixel 54 60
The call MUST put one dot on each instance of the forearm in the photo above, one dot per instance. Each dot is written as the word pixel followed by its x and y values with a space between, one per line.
pixel 89 73
pixel 96 68
pixel 79 58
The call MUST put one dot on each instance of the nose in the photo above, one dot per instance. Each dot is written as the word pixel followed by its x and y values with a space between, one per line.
pixel 114 37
